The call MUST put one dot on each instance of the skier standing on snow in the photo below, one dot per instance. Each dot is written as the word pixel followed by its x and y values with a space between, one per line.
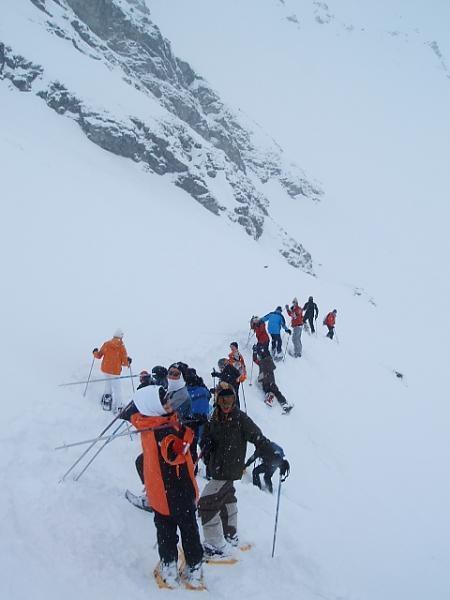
pixel 200 397
pixel 296 314
pixel 269 463
pixel 236 360
pixel 267 379
pixel 224 446
pixel 311 312
pixel 114 355
pixel 228 375
pixel 259 327
pixel 275 323
pixel 169 478
pixel 330 322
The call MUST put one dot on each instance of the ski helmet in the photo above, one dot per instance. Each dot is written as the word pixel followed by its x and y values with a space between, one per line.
pixel 118 333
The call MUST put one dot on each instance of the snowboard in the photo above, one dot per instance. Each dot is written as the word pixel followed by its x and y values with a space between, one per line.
pixel 137 501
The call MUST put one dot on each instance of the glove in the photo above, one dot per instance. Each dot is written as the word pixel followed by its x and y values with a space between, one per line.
pixel 285 469
pixel 215 374
pixel 129 361
pixel 288 331
pixel 94 350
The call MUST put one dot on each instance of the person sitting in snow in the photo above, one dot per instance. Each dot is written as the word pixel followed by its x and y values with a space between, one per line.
pixel 266 378
pixel 269 462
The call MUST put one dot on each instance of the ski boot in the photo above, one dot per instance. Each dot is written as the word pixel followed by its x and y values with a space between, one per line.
pixel 107 402
pixel 269 399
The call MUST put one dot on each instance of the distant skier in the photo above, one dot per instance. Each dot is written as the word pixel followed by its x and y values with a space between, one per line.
pixel 269 463
pixel 259 327
pixel 267 379
pixel 170 483
pixel 276 321
pixel 114 356
pixel 224 446
pixel 227 374
pixel 236 359
pixel 296 314
pixel 330 322
pixel 311 312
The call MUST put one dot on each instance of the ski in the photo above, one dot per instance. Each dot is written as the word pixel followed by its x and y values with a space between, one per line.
pixel 229 560
pixel 138 501
pixel 163 585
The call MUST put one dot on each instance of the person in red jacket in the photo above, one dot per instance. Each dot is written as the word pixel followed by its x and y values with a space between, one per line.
pixel 330 322
pixel 296 314
pixel 259 327
pixel 114 356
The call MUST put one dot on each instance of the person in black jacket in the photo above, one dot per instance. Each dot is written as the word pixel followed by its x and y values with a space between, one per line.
pixel 229 375
pixel 311 312
pixel 266 378
pixel 224 446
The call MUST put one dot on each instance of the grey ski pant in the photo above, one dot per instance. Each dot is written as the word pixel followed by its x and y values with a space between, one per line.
pixel 297 340
pixel 218 511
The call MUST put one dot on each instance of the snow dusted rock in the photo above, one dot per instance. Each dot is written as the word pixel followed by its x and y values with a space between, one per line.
pixel 193 136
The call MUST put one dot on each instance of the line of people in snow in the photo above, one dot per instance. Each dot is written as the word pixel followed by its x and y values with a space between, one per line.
pixel 171 410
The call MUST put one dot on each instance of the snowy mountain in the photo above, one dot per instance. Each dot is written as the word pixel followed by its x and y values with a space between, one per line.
pixel 170 121
pixel 130 153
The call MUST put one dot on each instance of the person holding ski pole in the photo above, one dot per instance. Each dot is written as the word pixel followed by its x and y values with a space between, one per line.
pixel 259 327
pixel 224 445
pixel 114 356
pixel 330 322
pixel 269 462
pixel 296 314
pixel 276 321
pixel 228 375
pixel 172 491
pixel 236 359
pixel 311 312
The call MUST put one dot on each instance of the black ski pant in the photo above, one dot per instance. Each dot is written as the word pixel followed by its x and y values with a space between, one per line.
pixel 139 462
pixel 310 320
pixel 266 469
pixel 330 333
pixel 271 387
pixel 276 342
pixel 167 537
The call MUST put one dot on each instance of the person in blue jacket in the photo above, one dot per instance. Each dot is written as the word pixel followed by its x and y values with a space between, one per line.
pixel 200 397
pixel 276 321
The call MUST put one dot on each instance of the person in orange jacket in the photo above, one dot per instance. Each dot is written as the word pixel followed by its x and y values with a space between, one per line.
pixel 236 360
pixel 296 314
pixel 170 483
pixel 330 322
pixel 114 356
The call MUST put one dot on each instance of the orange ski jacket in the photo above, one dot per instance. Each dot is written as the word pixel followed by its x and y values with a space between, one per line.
pixel 114 355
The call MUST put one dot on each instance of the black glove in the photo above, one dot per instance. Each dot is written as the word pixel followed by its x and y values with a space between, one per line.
pixel 130 360
pixel 285 469
pixel 288 331
pixel 215 374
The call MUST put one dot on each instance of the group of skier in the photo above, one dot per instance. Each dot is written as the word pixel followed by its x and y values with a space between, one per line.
pixel 171 410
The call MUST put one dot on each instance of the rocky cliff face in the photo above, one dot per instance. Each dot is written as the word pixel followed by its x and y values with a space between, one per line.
pixel 208 150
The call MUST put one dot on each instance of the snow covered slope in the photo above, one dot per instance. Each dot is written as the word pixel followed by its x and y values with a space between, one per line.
pixel 90 241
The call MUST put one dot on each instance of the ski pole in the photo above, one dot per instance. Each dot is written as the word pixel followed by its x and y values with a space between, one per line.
pixel 93 444
pixel 89 378
pixel 285 348
pixel 114 434
pixel 243 395
pixel 131 377
pixel 251 373
pixel 250 333
pixel 276 518
pixel 96 380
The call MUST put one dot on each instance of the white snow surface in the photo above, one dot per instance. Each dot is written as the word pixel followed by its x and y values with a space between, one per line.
pixel 90 243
